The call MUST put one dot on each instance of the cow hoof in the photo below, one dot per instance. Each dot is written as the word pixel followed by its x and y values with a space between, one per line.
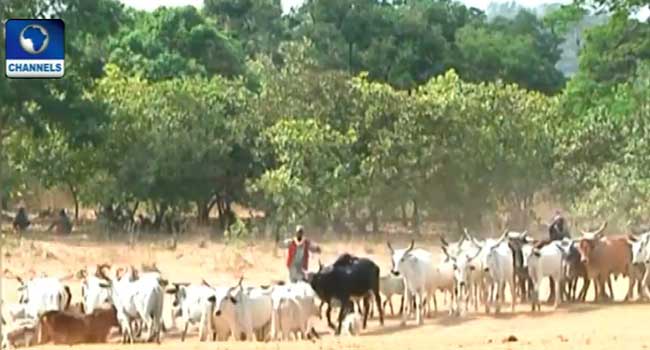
pixel 402 323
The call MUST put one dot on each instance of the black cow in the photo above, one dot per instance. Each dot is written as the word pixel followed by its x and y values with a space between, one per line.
pixel 576 270
pixel 349 276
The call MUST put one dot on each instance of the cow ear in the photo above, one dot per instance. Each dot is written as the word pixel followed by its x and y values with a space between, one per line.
pixel 212 299
pixel 232 299
pixel 472 267
pixel 105 284
pixel 171 290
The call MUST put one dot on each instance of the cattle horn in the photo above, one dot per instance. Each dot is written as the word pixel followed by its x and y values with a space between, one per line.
pixel 466 234
pixel 205 283
pixel 390 247
pixel 67 277
pixel 473 257
pixel 443 241
pixel 81 274
pixel 411 246
pixel 599 231
pixel 241 279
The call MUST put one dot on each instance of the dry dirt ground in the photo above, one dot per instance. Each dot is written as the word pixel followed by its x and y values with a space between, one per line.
pixel 586 326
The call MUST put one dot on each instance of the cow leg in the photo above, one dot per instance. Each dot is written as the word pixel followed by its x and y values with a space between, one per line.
pixel 401 305
pixel 366 306
pixel 418 308
pixel 552 296
pixel 390 303
pixel 329 316
pixel 500 298
pixel 557 292
pixel 611 290
pixel 513 294
pixel 586 282
pixel 630 288
pixel 185 327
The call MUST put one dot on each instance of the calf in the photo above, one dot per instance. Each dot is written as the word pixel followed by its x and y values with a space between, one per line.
pixel 64 327
pixel 605 256
pixel 351 324
pixel 341 282
pixel 390 285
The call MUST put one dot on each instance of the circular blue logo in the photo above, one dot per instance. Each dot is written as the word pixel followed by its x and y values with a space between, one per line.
pixel 34 39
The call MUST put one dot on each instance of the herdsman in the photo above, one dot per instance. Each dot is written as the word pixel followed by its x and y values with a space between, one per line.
pixel 298 254
pixel 557 230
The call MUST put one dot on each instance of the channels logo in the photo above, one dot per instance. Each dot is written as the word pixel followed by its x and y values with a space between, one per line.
pixel 35 48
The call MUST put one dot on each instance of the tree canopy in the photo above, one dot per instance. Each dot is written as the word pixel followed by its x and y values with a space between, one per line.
pixel 343 114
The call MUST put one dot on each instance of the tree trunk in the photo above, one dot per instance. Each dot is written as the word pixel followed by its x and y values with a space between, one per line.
pixel 405 221
pixel 202 212
pixel 374 217
pixel 160 214
pixel 416 217
pixel 75 199
pixel 350 45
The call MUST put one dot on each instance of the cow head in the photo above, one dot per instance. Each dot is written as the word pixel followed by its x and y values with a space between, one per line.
pixel 588 241
pixel 464 267
pixel 399 256
pixel 95 289
pixel 179 291
pixel 226 299
pixel 640 249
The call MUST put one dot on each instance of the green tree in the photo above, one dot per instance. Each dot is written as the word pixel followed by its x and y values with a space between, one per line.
pixel 169 42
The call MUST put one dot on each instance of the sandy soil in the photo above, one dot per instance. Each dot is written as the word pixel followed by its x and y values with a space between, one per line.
pixel 586 326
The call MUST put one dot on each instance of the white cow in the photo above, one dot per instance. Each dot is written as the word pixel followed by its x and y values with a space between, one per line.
pixel 294 309
pixel 641 257
pixel 416 265
pixel 195 303
pixel 547 261
pixel 391 285
pixel 247 310
pixel 500 267
pixel 140 299
pixel 43 294
pixel 463 268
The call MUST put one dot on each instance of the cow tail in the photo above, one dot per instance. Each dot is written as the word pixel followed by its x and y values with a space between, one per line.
pixel 68 297
pixel 278 319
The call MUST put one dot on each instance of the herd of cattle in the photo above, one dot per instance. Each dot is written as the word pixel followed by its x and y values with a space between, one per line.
pixel 471 271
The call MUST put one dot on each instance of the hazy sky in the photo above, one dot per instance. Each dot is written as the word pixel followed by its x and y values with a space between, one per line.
pixel 287 4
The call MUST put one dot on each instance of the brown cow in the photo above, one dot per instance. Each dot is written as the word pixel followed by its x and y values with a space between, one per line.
pixel 65 327
pixel 605 256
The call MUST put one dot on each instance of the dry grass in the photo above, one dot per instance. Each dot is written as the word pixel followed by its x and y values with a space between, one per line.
pixel 586 326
